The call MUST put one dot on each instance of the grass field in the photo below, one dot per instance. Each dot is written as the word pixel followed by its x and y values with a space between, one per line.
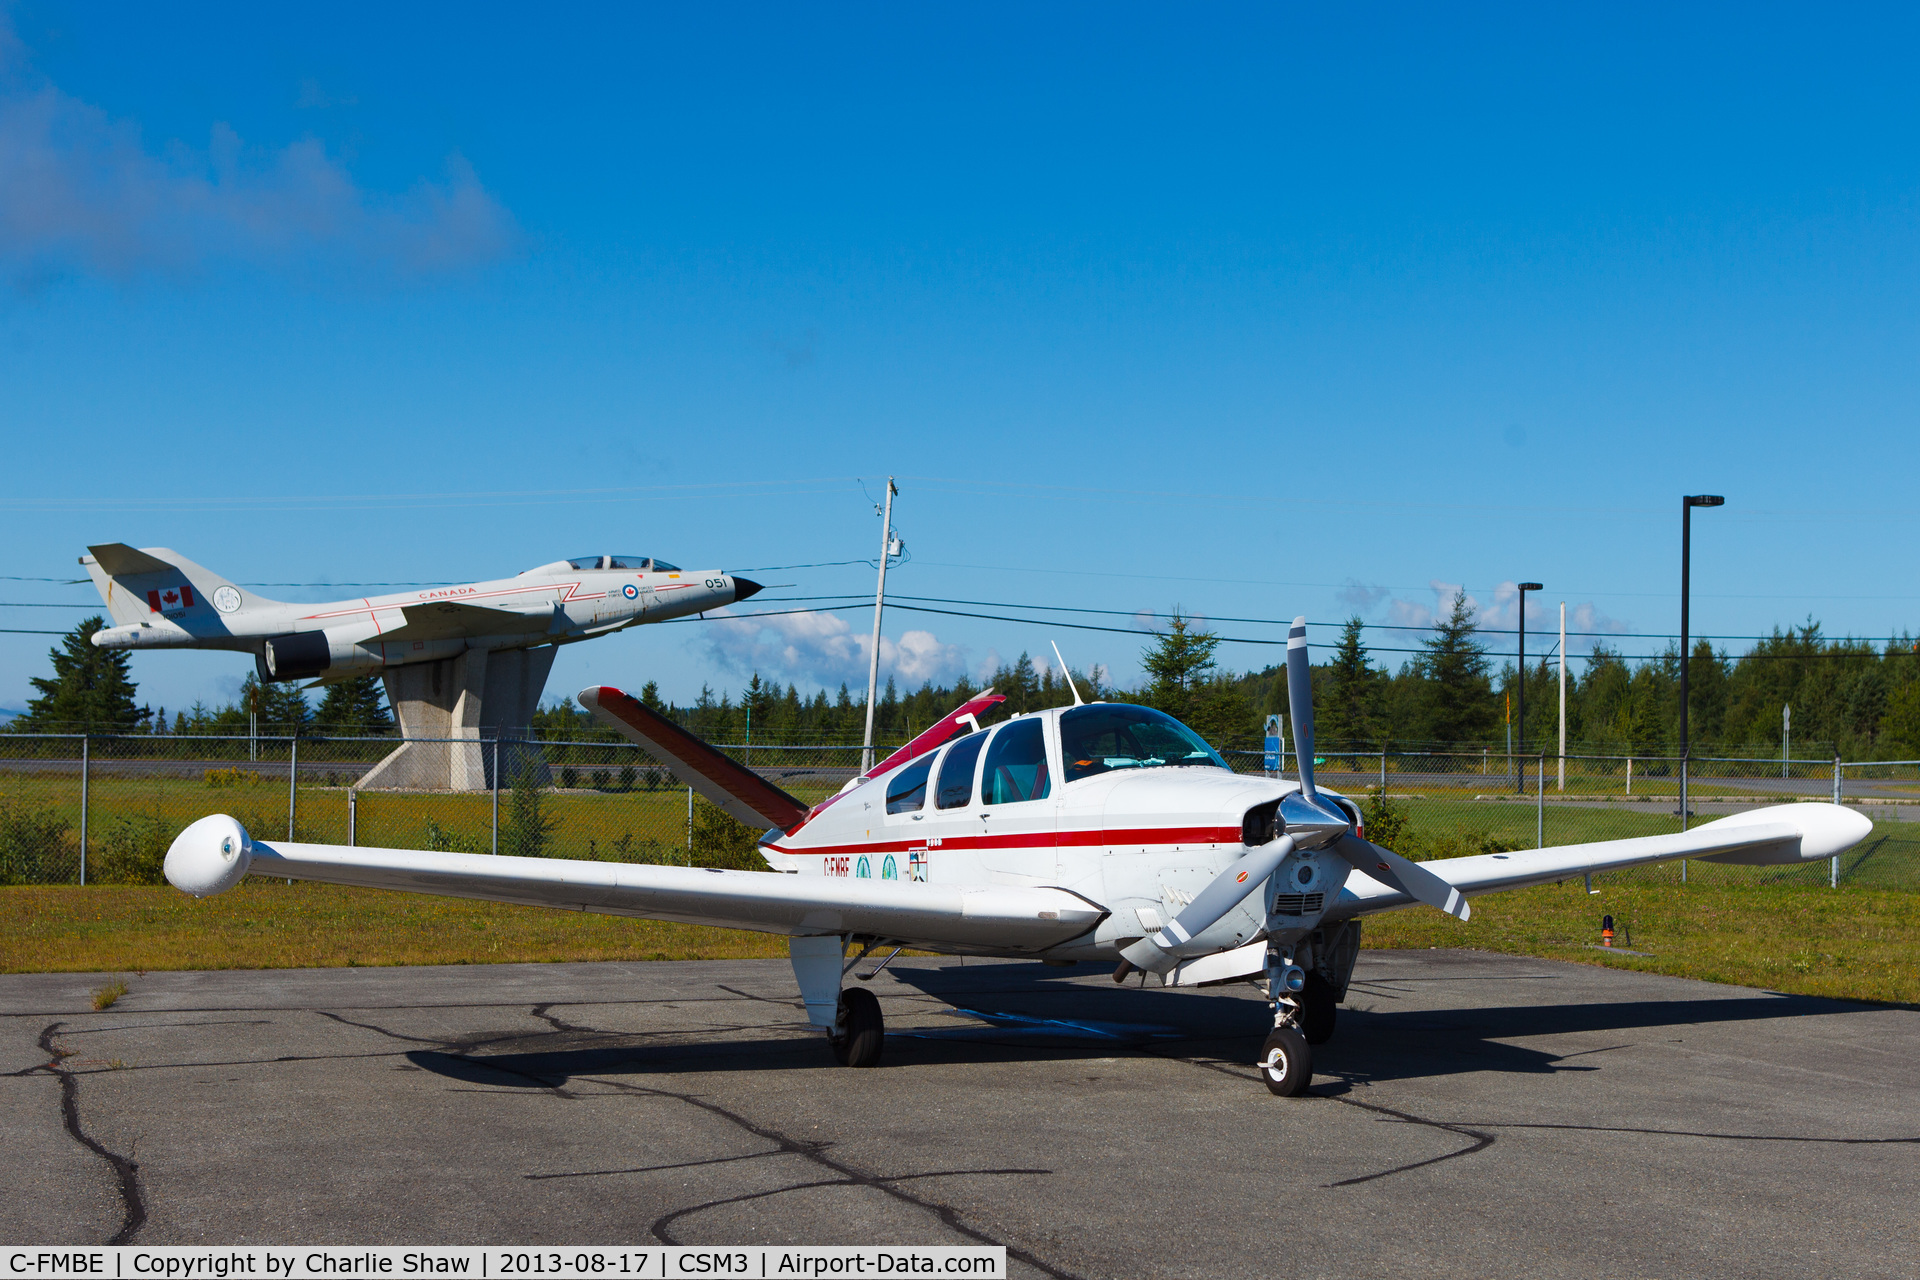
pixel 273 925
pixel 1851 942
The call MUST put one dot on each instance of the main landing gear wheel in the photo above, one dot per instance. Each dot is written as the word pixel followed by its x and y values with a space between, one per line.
pixel 864 1031
pixel 1317 1010
pixel 1286 1063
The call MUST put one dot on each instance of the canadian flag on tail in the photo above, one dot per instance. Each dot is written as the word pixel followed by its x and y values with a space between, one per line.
pixel 170 599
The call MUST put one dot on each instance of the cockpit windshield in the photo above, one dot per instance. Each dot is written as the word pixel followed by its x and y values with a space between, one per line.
pixel 1099 738
pixel 633 564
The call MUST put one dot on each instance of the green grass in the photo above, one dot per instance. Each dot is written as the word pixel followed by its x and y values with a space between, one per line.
pixel 273 925
pixel 1851 942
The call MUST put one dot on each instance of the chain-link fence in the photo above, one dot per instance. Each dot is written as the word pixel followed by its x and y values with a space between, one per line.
pixel 105 808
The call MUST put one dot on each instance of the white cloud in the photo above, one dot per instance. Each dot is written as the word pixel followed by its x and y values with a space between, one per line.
pixel 82 192
pixel 824 649
pixel 1502 614
pixel 1361 597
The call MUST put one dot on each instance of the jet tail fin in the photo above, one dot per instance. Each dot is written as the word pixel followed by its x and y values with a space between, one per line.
pixel 141 583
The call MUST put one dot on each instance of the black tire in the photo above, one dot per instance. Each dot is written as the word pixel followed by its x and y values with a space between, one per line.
pixel 1317 1010
pixel 1286 1063
pixel 865 1031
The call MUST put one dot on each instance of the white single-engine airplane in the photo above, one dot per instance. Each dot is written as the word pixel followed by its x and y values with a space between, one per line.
pixel 159 599
pixel 1100 831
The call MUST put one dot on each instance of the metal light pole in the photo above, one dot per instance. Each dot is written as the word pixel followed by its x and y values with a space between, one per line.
pixel 888 543
pixel 1520 761
pixel 1786 735
pixel 1563 695
pixel 1687 503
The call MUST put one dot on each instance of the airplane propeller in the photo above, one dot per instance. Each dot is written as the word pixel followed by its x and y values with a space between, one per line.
pixel 1308 811
pixel 1310 821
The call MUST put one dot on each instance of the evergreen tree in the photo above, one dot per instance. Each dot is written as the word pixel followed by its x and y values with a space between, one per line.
pixel 354 706
pixel 1350 710
pixel 281 705
pixel 1178 663
pixel 650 697
pixel 89 689
pixel 1460 705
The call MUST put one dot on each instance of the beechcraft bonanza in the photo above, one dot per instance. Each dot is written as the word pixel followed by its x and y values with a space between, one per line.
pixel 159 599
pixel 1100 831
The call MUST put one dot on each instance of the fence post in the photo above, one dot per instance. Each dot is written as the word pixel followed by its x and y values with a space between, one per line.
pixel 293 776
pixel 353 816
pixel 1383 771
pixel 689 826
pixel 1833 868
pixel 496 792
pixel 85 762
pixel 1540 806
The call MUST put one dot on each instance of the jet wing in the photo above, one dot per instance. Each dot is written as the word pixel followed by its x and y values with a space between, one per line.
pixel 1779 835
pixel 743 794
pixel 447 619
pixel 201 862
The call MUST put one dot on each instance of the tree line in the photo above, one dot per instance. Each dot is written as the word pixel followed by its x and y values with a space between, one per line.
pixel 1857 698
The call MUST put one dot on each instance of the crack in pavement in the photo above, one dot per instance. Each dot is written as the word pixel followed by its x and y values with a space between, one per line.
pixel 1478 1141
pixel 1691 1133
pixel 126 1173
pixel 844 1174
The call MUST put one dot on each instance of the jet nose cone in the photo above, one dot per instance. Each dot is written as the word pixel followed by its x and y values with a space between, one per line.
pixel 744 587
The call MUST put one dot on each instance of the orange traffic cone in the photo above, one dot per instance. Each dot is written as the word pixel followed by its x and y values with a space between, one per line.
pixel 1606 931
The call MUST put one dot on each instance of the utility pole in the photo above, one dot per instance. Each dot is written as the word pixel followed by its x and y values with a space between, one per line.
pixel 1687 504
pixel 1563 695
pixel 889 546
pixel 1520 761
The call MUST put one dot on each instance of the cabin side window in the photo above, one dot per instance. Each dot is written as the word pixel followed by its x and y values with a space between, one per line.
pixel 1017 765
pixel 955 788
pixel 907 792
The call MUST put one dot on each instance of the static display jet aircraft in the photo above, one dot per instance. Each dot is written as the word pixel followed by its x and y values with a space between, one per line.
pixel 159 599
pixel 1100 831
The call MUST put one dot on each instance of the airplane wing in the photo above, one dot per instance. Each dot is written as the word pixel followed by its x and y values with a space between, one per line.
pixel 215 853
pixel 445 619
pixel 1778 835
pixel 743 794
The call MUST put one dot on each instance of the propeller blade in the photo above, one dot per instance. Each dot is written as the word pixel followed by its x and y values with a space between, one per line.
pixel 1220 896
pixel 1300 701
pixel 1410 878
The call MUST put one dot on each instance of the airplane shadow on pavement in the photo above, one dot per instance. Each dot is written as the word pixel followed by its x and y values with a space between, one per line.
pixel 1029 1013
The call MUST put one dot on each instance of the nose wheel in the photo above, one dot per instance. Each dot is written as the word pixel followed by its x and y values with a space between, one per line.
pixel 859 1031
pixel 1286 1063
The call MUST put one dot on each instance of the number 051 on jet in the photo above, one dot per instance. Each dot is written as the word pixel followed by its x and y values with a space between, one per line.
pixel 1101 831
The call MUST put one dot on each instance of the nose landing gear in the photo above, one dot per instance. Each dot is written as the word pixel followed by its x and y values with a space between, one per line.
pixel 1286 1063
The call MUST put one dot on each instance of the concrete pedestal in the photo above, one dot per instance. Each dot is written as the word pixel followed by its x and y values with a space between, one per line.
pixel 466 702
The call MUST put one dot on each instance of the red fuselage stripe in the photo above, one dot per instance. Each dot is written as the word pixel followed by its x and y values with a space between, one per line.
pixel 1039 840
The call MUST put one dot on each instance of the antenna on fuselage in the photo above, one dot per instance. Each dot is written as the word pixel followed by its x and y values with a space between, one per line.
pixel 1068 674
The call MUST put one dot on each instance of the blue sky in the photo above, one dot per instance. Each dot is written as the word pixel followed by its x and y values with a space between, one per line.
pixel 1256 310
